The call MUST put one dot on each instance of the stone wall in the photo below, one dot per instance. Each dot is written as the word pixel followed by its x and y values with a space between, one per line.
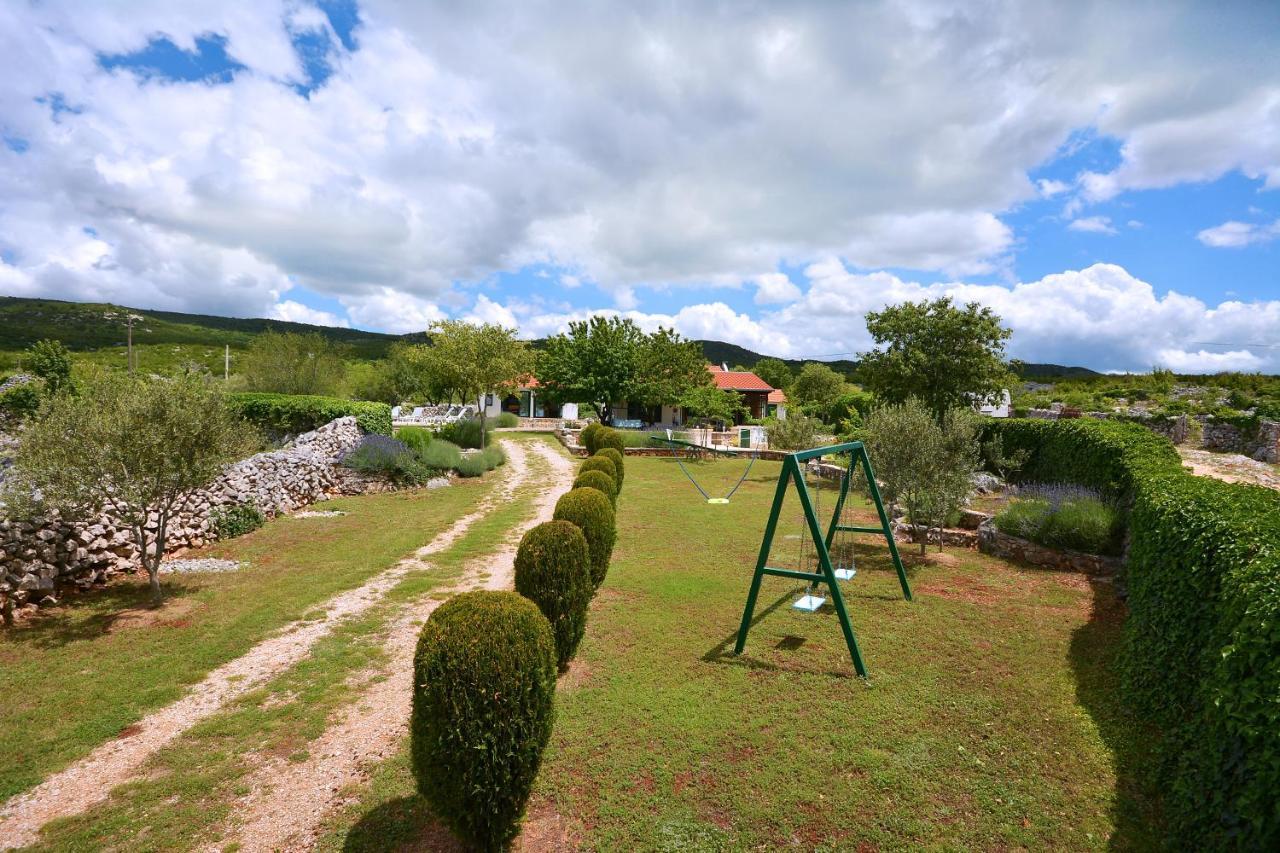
pixel 992 541
pixel 42 556
pixel 1262 444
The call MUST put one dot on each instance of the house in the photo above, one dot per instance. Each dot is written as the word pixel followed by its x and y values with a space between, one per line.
pixel 999 409
pixel 754 390
pixel 777 404
pixel 525 401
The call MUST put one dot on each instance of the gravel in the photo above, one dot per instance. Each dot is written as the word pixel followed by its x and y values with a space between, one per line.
pixel 438 483
pixel 208 564
pixel 313 513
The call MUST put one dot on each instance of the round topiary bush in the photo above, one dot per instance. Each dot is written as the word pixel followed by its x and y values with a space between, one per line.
pixel 615 456
pixel 609 438
pixel 599 463
pixel 601 482
pixel 553 570
pixel 483 691
pixel 587 438
pixel 592 512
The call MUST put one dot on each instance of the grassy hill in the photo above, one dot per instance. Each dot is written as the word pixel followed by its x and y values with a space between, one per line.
pixel 164 339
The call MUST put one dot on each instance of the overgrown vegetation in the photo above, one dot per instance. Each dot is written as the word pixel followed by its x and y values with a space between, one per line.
pixel 237 519
pixel 293 363
pixel 288 414
pixel 483 707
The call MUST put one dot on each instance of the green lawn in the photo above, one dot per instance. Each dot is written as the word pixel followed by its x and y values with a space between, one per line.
pixel 82 672
pixel 988 720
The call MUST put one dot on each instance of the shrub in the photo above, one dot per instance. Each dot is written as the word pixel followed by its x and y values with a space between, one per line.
pixel 415 438
pixel 441 455
pixel 507 420
pixel 628 438
pixel 469 433
pixel 20 401
pixel 599 463
pixel 587 438
pixel 1200 641
pixel 291 414
pixel 476 464
pixel 795 432
pixel 593 513
pixel 613 438
pixel 601 482
pixel 619 463
pixel 236 520
pixel 1064 517
pixel 378 454
pixel 553 570
pixel 51 361
pixel 483 708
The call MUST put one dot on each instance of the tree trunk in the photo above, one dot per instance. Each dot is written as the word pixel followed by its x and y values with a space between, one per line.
pixel 153 565
pixel 483 434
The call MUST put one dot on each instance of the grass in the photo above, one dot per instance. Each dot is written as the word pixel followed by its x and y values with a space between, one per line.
pixel 83 672
pixel 989 720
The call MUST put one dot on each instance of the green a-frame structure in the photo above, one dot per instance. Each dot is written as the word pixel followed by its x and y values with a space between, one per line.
pixel 792 473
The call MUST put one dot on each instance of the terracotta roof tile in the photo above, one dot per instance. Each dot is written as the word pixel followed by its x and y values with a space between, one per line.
pixel 737 380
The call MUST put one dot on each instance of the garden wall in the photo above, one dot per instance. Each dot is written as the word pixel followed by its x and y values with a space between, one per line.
pixel 1202 638
pixel 41 556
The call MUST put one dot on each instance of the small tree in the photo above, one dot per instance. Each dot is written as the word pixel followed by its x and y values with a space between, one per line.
pixel 138 445
pixel 817 385
pixel 669 367
pixel 1004 465
pixel 50 360
pixel 947 357
pixel 292 363
pixel 474 360
pixel 709 403
pixel 924 463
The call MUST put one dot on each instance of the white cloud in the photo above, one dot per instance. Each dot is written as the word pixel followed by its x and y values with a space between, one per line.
pixel 1049 188
pixel 1093 224
pixel 296 312
pixel 487 311
pixel 392 311
pixel 773 288
pixel 1235 235
pixel 1203 361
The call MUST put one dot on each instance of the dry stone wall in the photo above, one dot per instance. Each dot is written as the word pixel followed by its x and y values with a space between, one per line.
pixel 40 557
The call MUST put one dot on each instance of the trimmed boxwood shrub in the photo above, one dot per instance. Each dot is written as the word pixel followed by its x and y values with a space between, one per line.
pixel 615 456
pixel 592 512
pixel 291 414
pixel 601 482
pixel 599 463
pixel 484 680
pixel 1203 631
pixel 553 570
pixel 610 438
pixel 587 438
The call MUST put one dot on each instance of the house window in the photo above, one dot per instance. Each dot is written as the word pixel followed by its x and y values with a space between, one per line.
pixel 488 401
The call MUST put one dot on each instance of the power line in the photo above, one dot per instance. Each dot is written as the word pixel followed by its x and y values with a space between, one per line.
pixel 1219 344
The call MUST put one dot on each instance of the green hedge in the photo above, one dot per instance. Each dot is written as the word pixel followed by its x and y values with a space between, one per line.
pixel 587 438
pixel 483 692
pixel 1202 639
pixel 553 570
pixel 599 463
pixel 298 413
pixel 619 462
pixel 593 513
pixel 601 482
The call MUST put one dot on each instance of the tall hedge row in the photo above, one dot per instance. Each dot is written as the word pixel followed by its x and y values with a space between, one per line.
pixel 297 413
pixel 1201 655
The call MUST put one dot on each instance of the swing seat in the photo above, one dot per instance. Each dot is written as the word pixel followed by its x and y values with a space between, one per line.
pixel 717 500
pixel 845 574
pixel 810 603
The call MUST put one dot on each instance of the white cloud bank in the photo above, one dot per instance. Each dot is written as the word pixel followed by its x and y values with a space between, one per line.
pixel 1236 235
pixel 688 145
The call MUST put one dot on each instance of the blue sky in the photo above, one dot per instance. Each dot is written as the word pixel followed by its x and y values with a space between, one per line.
pixel 764 177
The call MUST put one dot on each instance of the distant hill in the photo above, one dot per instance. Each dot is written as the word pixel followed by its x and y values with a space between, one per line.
pixel 90 326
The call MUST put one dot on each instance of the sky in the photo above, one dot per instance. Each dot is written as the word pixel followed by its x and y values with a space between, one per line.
pixel 1106 176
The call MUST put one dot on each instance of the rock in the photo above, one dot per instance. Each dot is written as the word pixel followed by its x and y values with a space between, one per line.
pixel 985 483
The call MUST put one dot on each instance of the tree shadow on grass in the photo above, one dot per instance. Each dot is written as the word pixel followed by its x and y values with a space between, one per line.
pixel 1095 658
pixel 87 615
pixel 405 823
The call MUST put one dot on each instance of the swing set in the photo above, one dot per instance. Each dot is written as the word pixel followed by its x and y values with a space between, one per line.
pixel 825 557
pixel 677 445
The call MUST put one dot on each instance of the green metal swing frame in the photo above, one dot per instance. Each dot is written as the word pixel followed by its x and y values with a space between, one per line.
pixel 792 473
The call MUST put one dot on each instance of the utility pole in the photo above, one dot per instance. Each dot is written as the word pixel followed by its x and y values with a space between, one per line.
pixel 129 323
pixel 226 363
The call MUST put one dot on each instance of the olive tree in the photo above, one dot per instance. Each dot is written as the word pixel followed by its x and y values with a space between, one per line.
pixel 923 462
pixel 131 446
pixel 473 360
pixel 293 363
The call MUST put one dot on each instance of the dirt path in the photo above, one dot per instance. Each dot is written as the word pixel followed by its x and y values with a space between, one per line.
pixel 87 782
pixel 1231 467
pixel 288 801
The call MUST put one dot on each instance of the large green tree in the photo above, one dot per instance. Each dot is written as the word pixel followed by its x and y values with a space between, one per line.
pixel 473 360
pixel 668 367
pixel 944 355
pixel 137 444
pixel 774 371
pixel 293 363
